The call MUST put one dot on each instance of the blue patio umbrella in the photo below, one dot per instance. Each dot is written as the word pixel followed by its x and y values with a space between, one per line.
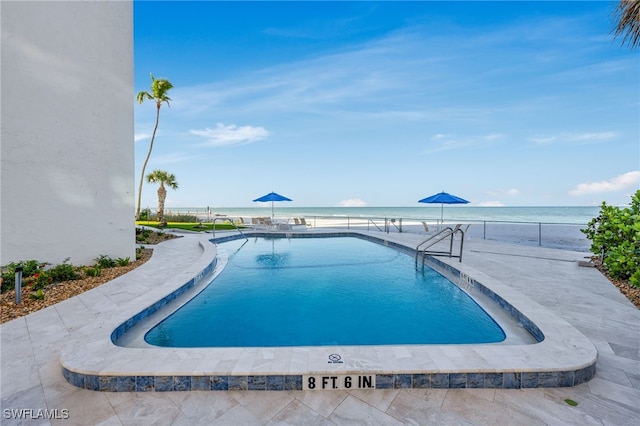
pixel 443 198
pixel 272 196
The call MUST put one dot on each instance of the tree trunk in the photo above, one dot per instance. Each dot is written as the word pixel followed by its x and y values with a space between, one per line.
pixel 162 196
pixel 144 165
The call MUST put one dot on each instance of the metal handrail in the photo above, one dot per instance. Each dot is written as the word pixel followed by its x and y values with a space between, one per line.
pixel 370 221
pixel 213 230
pixel 447 232
pixel 393 222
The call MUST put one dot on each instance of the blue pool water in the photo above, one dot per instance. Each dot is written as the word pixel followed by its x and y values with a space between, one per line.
pixel 324 291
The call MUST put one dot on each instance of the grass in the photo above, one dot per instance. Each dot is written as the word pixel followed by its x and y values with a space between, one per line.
pixel 188 226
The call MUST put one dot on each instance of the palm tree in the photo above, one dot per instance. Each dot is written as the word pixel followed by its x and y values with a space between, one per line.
pixel 159 89
pixel 627 15
pixel 163 178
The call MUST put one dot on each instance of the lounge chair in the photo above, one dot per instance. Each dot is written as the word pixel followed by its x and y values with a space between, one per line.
pixel 463 228
pixel 426 227
pixel 260 223
pixel 299 224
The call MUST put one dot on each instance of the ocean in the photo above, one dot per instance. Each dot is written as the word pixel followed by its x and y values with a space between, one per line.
pixel 430 213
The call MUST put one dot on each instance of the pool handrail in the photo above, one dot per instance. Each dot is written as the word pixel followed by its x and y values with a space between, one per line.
pixel 447 232
pixel 213 228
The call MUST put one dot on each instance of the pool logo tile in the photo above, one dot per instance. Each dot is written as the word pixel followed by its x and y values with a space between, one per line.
pixel 335 359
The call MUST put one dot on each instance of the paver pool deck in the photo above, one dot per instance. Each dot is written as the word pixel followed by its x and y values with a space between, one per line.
pixel 32 349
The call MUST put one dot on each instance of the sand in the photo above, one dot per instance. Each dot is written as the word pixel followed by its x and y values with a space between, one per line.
pixel 561 236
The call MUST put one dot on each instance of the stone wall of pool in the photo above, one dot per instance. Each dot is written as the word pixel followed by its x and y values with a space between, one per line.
pixel 479 380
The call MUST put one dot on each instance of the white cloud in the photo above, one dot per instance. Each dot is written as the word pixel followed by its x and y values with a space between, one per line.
pixel 509 192
pixel 141 136
pixel 543 140
pixel 352 202
pixel 171 158
pixel 231 134
pixel 445 142
pixel 574 138
pixel 493 137
pixel 490 204
pixel 627 180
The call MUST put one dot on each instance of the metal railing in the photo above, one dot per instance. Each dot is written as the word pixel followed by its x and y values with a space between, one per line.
pixel 213 230
pixel 442 235
pixel 541 234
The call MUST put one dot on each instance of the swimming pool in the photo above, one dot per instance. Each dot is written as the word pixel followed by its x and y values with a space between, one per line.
pixel 110 355
pixel 324 291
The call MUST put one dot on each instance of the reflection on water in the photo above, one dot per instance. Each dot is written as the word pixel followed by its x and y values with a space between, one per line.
pixel 273 260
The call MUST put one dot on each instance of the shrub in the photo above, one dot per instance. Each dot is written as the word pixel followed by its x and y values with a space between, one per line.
pixel 63 272
pixel 123 261
pixel 139 252
pixel 615 236
pixel 37 295
pixel 181 218
pixel 145 214
pixel 8 280
pixel 29 269
pixel 105 261
pixel 93 271
pixel 41 281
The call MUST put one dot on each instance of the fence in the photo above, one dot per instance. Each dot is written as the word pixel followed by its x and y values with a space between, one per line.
pixel 551 235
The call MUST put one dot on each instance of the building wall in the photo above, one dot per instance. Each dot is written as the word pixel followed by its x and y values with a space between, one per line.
pixel 67 145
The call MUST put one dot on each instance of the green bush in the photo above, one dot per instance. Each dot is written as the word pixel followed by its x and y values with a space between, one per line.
pixel 615 236
pixel 37 295
pixel 41 281
pixel 63 272
pixel 145 214
pixel 123 261
pixel 104 261
pixel 29 268
pixel 94 271
pixel 181 218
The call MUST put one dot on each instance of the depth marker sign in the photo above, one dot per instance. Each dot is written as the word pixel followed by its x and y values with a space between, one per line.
pixel 339 381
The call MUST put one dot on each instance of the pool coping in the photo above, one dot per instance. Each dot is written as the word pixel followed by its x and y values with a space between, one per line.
pixel 90 359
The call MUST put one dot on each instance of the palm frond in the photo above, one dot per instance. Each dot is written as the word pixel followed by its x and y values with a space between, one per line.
pixel 142 96
pixel 627 15
pixel 163 178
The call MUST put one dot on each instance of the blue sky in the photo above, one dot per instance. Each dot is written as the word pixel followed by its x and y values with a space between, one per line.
pixel 385 103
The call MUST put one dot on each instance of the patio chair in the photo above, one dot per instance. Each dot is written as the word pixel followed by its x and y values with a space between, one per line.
pixel 260 223
pixel 304 222
pixel 426 227
pixel 298 224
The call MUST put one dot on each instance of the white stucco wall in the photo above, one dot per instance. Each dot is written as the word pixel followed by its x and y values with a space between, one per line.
pixel 66 148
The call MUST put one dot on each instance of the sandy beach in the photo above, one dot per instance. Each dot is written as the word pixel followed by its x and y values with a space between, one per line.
pixel 559 236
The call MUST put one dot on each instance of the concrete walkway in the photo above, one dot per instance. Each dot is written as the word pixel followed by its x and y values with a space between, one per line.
pixel 31 380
